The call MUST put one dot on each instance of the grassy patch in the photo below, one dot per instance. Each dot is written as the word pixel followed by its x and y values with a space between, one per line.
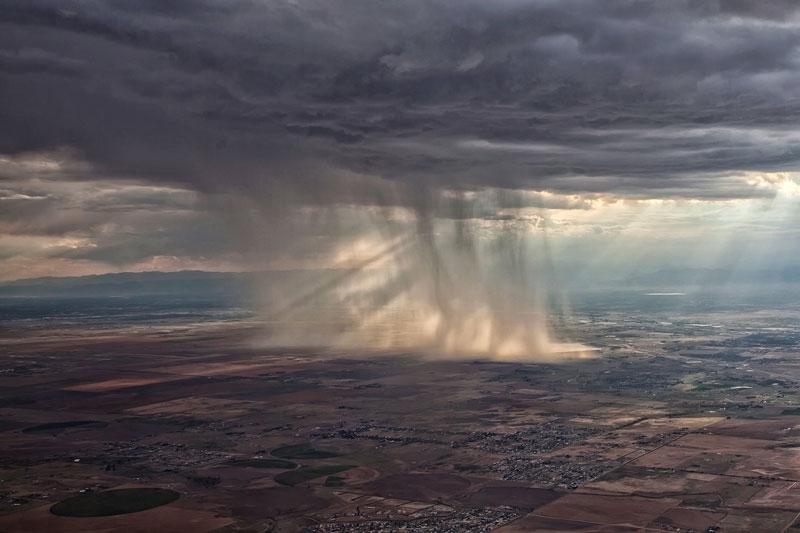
pixel 307 473
pixel 302 451
pixel 709 386
pixel 334 481
pixel 262 463
pixel 114 502
pixel 54 427
pixel 795 411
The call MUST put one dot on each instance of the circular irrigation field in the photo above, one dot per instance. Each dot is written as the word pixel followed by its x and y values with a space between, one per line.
pixel 114 502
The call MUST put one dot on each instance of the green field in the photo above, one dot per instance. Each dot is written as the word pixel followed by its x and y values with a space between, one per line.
pixel 302 451
pixel 114 502
pixel 307 473
pixel 262 463
pixel 58 426
pixel 334 481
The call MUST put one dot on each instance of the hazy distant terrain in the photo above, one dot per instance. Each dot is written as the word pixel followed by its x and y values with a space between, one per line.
pixel 153 284
pixel 675 290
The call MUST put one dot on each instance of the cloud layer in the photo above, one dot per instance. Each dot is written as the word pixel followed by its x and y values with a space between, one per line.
pixel 624 97
pixel 240 130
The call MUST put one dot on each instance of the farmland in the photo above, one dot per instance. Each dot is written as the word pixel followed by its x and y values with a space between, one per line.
pixel 654 431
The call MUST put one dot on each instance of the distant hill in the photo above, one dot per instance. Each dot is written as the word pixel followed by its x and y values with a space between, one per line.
pixel 184 283
pixel 240 285
pixel 192 284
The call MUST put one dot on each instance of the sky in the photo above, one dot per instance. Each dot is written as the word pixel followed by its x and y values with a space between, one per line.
pixel 595 138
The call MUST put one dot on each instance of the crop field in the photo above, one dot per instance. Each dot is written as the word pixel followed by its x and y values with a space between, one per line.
pixel 307 473
pixel 114 502
pixel 263 463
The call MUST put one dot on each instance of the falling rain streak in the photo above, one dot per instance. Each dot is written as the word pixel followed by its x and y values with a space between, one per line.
pixel 443 281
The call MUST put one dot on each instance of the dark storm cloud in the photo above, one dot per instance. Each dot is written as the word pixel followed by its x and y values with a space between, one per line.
pixel 347 101
pixel 175 236
pixel 775 9
pixel 33 61
pixel 47 208
pixel 116 224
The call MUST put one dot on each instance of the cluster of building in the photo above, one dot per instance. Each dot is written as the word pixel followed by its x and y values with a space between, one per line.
pixel 474 520
pixel 542 438
pixel 375 508
pixel 390 434
pixel 562 471
pixel 160 456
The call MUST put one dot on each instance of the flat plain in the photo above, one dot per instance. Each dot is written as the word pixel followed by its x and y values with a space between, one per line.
pixel 672 427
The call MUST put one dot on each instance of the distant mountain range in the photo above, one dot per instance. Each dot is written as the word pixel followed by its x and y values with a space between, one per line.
pixel 183 283
pixel 199 284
